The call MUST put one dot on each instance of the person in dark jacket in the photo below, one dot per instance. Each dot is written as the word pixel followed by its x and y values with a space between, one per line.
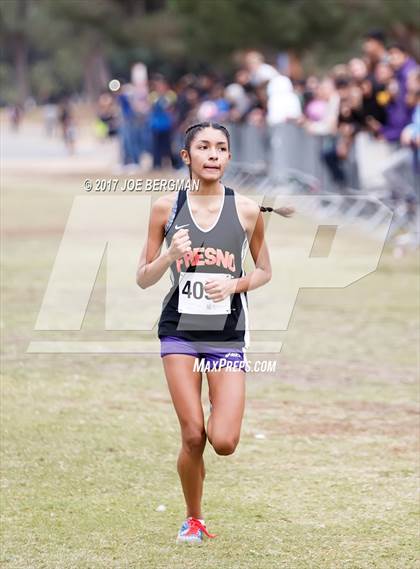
pixel 162 121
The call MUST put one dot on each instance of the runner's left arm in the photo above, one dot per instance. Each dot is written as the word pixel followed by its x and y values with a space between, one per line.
pixel 259 251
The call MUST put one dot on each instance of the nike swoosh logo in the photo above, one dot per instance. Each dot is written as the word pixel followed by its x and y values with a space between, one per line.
pixel 181 226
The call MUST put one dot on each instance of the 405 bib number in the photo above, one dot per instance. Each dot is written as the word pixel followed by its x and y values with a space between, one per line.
pixel 192 298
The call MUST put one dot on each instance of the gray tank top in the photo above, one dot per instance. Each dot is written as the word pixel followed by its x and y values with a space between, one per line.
pixel 217 252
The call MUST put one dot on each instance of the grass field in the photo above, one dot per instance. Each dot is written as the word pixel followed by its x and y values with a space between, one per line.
pixel 89 443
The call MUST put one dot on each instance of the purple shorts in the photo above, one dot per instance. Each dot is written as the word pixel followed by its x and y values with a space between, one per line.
pixel 215 354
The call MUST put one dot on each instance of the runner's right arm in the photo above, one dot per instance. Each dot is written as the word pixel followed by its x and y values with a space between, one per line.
pixel 153 264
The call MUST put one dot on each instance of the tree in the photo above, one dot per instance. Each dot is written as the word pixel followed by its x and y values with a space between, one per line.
pixel 14 23
pixel 213 29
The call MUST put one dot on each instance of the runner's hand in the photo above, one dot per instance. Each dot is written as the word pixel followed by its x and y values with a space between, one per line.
pixel 218 290
pixel 180 244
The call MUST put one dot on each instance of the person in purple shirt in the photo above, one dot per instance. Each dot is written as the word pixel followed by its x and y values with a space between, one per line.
pixel 402 171
pixel 398 111
pixel 394 98
pixel 402 63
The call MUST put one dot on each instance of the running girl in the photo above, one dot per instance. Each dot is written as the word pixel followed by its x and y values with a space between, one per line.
pixel 204 315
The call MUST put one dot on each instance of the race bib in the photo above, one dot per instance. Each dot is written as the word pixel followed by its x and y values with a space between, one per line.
pixel 192 298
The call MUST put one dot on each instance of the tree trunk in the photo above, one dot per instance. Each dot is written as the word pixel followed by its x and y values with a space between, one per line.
pixel 20 49
pixel 96 74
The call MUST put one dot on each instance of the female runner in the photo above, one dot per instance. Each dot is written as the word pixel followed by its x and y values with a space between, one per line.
pixel 204 316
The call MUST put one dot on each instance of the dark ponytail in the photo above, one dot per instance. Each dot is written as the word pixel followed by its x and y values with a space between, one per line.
pixel 284 211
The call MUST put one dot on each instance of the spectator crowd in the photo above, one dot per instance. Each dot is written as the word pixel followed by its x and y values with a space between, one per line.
pixel 377 93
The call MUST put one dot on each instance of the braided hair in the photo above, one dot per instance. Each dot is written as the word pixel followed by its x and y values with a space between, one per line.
pixel 192 132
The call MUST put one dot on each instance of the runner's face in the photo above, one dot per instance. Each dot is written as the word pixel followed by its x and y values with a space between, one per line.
pixel 209 154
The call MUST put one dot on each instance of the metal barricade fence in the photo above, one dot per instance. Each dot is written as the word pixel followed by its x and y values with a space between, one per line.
pixel 286 151
pixel 287 159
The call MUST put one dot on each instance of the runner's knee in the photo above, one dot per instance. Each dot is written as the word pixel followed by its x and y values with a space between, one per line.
pixel 224 445
pixel 193 439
